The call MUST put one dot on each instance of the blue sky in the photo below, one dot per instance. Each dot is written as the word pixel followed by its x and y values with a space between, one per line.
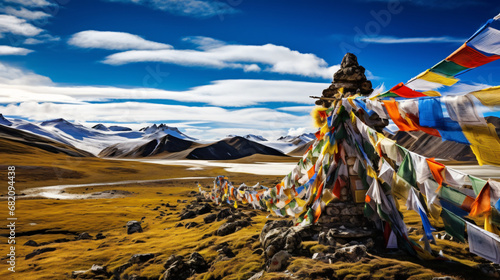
pixel 216 67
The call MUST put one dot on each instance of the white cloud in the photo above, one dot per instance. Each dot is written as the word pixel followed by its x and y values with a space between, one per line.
pixel 31 3
pixel 273 58
pixel 297 131
pixel 14 25
pixel 10 75
pixel 261 119
pixel 113 41
pixel 36 97
pixel 414 40
pixel 297 109
pixel 8 50
pixel 192 8
pixel 25 13
pixel 203 42
pixel 40 39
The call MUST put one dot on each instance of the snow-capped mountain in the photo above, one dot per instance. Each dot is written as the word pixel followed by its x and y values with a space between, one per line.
pixel 303 138
pixel 94 139
pixel 4 121
pixel 256 138
pixel 157 131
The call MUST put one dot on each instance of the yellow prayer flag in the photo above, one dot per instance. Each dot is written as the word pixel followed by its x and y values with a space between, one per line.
pixel 484 143
pixel 488 96
pixel 437 78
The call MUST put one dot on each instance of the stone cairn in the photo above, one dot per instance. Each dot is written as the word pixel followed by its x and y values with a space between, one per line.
pixel 350 77
pixel 343 219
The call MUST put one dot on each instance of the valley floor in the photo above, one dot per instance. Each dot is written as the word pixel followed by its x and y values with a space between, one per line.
pixel 156 197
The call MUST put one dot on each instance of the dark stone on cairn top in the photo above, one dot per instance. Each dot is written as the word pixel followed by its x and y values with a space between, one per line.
pixel 351 77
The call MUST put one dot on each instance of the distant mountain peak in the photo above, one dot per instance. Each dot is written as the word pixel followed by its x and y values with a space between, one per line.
pixel 100 127
pixel 4 121
pixel 252 137
pixel 56 121
pixel 155 130
pixel 305 137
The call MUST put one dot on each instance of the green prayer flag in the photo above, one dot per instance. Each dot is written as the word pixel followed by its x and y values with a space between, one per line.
pixel 448 68
pixel 452 195
pixel 453 225
pixel 407 171
pixel 477 184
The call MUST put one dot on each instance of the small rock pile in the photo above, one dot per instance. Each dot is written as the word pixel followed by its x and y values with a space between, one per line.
pixel 351 77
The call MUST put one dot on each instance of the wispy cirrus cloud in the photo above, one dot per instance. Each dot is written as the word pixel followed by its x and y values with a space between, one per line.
pixel 109 40
pixel 31 3
pixel 31 96
pixel 191 8
pixel 208 52
pixel 25 13
pixel 17 26
pixel 8 50
pixel 412 40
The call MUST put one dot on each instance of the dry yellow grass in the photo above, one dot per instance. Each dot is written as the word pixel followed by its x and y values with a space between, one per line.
pixel 46 220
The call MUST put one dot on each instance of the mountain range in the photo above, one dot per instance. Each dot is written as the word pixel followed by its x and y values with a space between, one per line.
pixel 163 141
pixel 159 141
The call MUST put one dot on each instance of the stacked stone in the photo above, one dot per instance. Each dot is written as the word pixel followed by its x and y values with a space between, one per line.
pixel 347 210
pixel 351 77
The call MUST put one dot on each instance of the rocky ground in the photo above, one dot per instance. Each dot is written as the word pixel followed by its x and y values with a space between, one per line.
pixel 167 230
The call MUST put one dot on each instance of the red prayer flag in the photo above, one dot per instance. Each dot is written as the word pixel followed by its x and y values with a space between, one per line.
pixel 404 91
pixel 470 58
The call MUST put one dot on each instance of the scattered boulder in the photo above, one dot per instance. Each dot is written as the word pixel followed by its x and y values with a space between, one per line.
pixel 226 252
pixel 272 225
pixel 37 252
pixel 350 253
pixel 179 225
pixel 178 269
pixel 281 238
pixel 31 243
pixel 191 225
pixel 84 236
pixel 205 208
pixel 210 218
pixel 140 258
pixel 224 213
pixel 188 215
pixel 257 275
pixel 197 263
pixel 231 227
pixel 97 269
pixel 279 261
pixel 171 260
pixel 133 227
pixel 444 278
pixel 99 236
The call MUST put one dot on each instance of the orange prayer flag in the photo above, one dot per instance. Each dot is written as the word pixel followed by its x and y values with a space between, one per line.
pixel 317 213
pixel 437 170
pixel 319 192
pixel 392 109
pixel 428 130
pixel 482 203
pixel 311 172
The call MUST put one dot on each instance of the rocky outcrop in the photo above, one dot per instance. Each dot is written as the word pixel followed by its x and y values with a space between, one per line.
pixel 179 269
pixel 133 227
